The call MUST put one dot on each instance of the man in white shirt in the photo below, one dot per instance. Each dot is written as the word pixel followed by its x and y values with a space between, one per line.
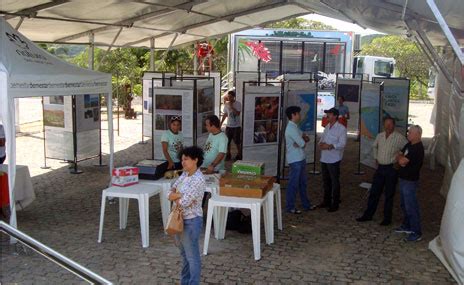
pixel 232 109
pixel 332 144
pixel 2 144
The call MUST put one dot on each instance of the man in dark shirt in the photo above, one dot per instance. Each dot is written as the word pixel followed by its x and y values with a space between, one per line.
pixel 410 160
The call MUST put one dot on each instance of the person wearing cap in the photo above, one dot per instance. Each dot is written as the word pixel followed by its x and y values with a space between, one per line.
pixel 172 143
pixel 332 144
pixel 386 145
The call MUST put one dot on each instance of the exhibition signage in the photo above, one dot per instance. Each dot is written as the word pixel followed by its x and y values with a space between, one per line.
pixel 370 121
pixel 395 101
pixel 350 89
pixel 261 117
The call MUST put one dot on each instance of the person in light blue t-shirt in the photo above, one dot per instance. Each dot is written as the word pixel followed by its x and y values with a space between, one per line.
pixel 295 142
pixel 216 145
pixel 172 143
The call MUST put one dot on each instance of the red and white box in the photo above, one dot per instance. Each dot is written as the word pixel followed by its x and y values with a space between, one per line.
pixel 125 176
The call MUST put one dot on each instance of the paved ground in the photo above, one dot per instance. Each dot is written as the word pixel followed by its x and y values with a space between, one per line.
pixel 316 247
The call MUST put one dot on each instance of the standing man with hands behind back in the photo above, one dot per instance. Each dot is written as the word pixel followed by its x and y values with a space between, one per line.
pixel 410 160
pixel 295 142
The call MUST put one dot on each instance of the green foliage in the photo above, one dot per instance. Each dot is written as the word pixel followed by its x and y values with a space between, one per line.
pixel 410 61
pixel 301 24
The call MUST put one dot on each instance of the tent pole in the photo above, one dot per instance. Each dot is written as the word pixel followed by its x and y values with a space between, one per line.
pixel 110 131
pixel 91 50
pixel 74 169
pixel 44 147
pixel 117 95
pixel 100 162
pixel 152 54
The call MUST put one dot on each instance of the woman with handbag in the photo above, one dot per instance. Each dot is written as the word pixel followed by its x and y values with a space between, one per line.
pixel 187 194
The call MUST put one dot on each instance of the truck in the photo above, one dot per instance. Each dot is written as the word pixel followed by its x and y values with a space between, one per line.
pixel 373 66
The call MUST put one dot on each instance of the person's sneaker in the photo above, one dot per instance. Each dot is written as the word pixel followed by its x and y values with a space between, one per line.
pixel 413 237
pixel 402 230
pixel 312 208
pixel 294 211
pixel 363 219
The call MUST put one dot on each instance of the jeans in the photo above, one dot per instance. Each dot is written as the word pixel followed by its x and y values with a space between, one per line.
pixel 384 177
pixel 331 180
pixel 410 206
pixel 190 250
pixel 298 182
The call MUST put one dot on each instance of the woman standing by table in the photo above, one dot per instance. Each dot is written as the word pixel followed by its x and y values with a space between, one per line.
pixel 190 188
pixel 172 142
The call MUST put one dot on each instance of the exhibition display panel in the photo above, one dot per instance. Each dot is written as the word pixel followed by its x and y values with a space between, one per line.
pixel 72 127
pixel 261 125
pixel 395 101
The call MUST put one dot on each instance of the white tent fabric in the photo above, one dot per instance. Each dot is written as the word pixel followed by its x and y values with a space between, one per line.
pixel 27 70
pixel 449 245
pixel 134 23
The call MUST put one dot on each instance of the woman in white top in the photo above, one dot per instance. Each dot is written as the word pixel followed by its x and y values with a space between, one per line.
pixel 172 143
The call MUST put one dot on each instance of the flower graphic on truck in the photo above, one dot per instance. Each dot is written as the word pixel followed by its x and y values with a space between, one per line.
pixel 258 49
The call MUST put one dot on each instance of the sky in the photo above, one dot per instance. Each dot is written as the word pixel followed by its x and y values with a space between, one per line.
pixel 340 25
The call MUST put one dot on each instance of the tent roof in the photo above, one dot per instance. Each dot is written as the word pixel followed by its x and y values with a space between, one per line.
pixel 32 71
pixel 133 23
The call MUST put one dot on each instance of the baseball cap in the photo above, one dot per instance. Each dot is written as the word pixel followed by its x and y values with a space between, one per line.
pixel 333 111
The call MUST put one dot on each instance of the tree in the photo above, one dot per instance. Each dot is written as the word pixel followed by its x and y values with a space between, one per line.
pixel 301 24
pixel 410 61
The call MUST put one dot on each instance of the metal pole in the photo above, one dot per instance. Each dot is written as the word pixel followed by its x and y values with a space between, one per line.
pixel 44 146
pixel 152 119
pixel 152 55
pixel 314 171
pixel 117 95
pixel 359 172
pixel 74 169
pixel 195 59
pixel 91 50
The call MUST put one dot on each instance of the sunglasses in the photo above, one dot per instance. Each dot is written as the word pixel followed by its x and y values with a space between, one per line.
pixel 176 118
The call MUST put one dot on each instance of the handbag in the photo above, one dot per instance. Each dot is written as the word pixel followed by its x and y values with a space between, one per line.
pixel 175 223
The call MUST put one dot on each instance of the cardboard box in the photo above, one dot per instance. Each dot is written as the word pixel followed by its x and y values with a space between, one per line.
pixel 248 167
pixel 125 176
pixel 246 186
pixel 152 169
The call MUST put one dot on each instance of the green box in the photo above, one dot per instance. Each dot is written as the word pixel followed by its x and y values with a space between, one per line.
pixel 248 167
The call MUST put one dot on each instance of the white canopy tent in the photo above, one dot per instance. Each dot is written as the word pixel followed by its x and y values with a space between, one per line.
pixel 140 23
pixel 26 70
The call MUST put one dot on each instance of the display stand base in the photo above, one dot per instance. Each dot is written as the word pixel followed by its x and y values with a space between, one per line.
pixel 45 167
pixel 314 172
pixel 75 171
pixel 100 165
